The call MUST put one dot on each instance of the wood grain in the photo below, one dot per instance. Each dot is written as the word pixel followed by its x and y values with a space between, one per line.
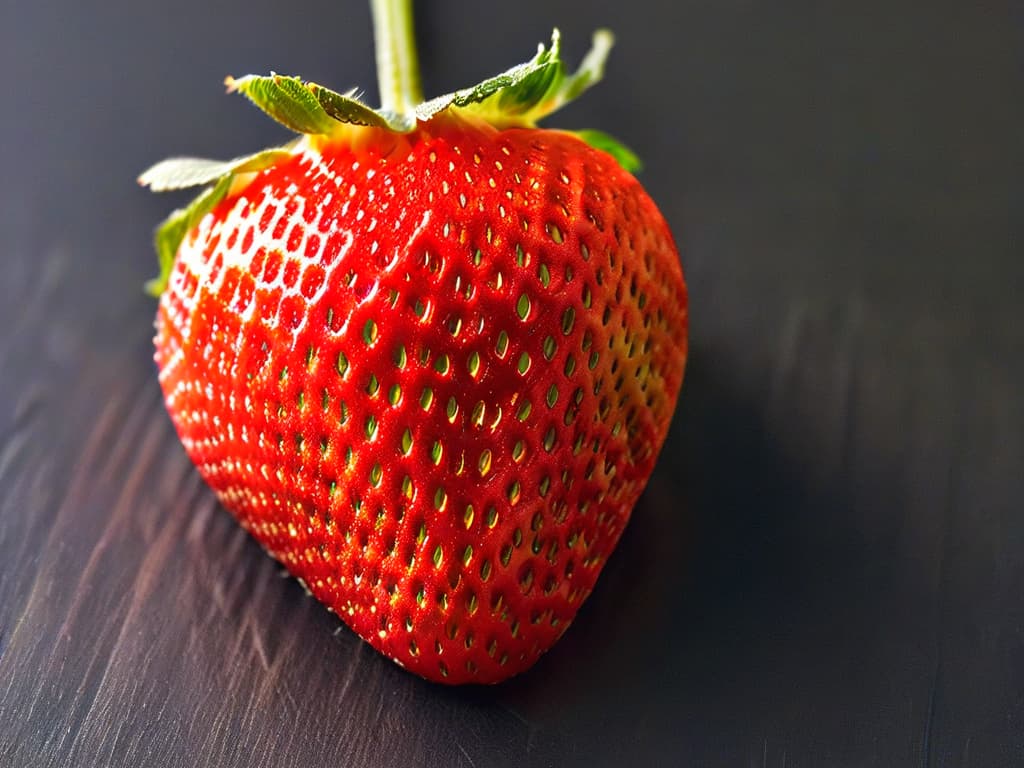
pixel 827 567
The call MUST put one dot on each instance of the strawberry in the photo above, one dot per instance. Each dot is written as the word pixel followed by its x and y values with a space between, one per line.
pixel 427 355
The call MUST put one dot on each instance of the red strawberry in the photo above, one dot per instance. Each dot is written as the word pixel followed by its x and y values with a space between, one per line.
pixel 426 355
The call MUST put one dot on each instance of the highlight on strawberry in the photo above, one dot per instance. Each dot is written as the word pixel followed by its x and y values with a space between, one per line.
pixel 426 354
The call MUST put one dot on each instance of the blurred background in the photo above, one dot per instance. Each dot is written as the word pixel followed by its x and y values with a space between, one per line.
pixel 828 565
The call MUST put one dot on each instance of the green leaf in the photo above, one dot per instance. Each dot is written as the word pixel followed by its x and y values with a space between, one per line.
pixel 347 108
pixel 308 107
pixel 626 157
pixel 175 227
pixel 184 172
pixel 528 92
pixel 286 100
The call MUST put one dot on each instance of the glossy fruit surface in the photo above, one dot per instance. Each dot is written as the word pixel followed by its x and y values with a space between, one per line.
pixel 428 354
pixel 431 376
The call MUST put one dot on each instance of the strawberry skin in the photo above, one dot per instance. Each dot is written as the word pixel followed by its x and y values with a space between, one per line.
pixel 430 373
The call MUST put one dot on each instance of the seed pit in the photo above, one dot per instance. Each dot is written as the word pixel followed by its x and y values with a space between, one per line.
pixel 401 358
pixel 426 398
pixel 501 347
pixel 484 463
pixel 544 274
pixel 477 417
pixel 568 320
pixel 549 348
pixel 523 307
pixel 518 451
pixel 545 486
pixel 552 396
pixel 370 332
pixel 514 493
pixel 452 409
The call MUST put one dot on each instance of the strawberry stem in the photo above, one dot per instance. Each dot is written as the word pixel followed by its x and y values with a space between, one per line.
pixel 398 73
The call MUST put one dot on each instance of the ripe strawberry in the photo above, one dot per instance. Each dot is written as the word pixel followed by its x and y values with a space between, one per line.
pixel 426 355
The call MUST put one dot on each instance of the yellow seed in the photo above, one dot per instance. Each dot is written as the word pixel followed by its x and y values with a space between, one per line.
pixel 485 462
pixel 514 492
pixel 477 417
pixel 518 451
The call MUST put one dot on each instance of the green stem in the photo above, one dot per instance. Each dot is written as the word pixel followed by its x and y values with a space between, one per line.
pixel 398 72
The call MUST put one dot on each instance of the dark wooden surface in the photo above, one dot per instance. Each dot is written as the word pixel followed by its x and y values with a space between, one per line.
pixel 828 566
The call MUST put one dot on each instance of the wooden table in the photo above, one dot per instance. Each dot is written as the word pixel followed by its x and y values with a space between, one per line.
pixel 828 565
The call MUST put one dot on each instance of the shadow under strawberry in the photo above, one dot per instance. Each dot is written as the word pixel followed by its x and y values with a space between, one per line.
pixel 742 593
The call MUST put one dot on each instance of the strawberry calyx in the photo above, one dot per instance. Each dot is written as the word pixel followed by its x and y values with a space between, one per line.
pixel 517 98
